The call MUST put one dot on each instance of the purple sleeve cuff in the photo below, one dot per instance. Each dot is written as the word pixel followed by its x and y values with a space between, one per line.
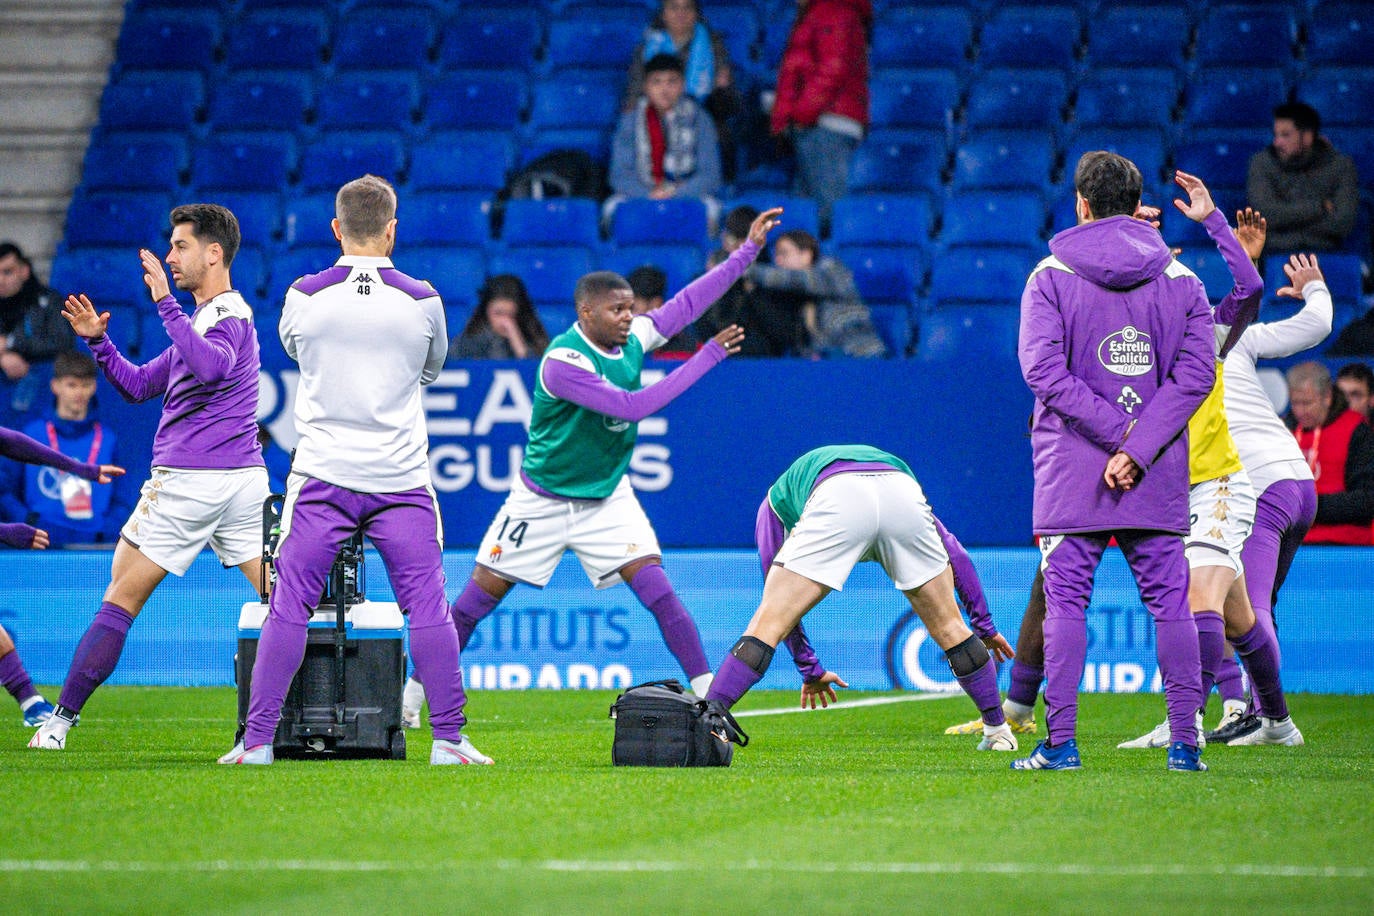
pixel 699 295
pixel 589 390
pixel 17 535
pixel 1239 309
pixel 808 665
pixel 967 584
pixel 16 445
pixel 768 534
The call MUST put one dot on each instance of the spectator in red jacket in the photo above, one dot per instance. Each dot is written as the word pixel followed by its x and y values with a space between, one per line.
pixel 822 95
pixel 1339 447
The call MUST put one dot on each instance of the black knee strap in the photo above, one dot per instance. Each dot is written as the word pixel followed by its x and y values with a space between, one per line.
pixel 967 657
pixel 755 653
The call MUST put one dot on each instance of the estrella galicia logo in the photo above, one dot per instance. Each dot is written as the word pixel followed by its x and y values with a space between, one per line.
pixel 1127 352
pixel 914 661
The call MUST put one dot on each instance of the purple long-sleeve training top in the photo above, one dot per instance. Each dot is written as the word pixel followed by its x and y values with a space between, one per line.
pixel 209 376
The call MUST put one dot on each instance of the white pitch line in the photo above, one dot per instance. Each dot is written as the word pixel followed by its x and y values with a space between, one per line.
pixel 850 704
pixel 1253 870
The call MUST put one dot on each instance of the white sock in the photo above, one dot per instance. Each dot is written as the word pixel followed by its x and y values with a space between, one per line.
pixel 1231 706
pixel 1014 710
pixel 990 730
pixel 29 703
pixel 414 695
pixel 702 683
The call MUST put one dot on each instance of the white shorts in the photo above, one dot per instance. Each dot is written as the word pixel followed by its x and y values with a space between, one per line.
pixel 180 511
pixel 854 517
pixel 1221 514
pixel 530 533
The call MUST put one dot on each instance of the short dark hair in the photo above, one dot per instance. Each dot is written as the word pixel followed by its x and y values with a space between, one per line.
pixel 211 223
pixel 664 61
pixel 1303 116
pixel 647 282
pixel 1111 184
pixel 599 283
pixel 738 220
pixel 10 248
pixel 73 364
pixel 364 206
pixel 803 240
pixel 1360 372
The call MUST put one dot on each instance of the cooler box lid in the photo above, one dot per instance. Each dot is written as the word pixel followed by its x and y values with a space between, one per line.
pixel 372 619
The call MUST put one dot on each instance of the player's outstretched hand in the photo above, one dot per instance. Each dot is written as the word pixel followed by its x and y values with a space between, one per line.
pixel 730 337
pixel 109 472
pixel 1199 205
pixel 763 224
pixel 1251 231
pixel 154 275
pixel 81 315
pixel 1122 472
pixel 1301 269
pixel 999 647
pixel 822 690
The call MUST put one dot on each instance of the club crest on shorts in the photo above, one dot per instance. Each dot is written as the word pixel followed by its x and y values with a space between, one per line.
pixel 1127 352
pixel 495 555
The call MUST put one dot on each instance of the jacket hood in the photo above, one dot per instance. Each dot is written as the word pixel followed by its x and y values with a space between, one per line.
pixel 1119 252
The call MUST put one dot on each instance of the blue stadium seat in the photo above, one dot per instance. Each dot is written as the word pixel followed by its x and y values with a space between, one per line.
pixel 884 275
pixel 893 322
pixel 1210 267
pixel 1357 142
pixel 1143 146
pixel 897 220
pixel 505 39
pixel 1007 97
pixel 550 274
pixel 1220 158
pixel 1342 95
pixel 780 21
pixel 268 99
pixel 737 24
pixel 1234 97
pixel 491 100
pixel 1341 272
pixel 797 212
pixel 248 161
pixel 917 37
pixel 130 218
pixel 993 218
pixel 135 161
pixel 604 40
pixel 1246 35
pixel 1145 35
pixel 1340 33
pixel 682 263
pixel 152 100
pixel 337 157
pixel 277 38
pixel 680 221
pixel 978 273
pixel 445 218
pixel 109 275
pixel 898 161
pixel 1030 36
pixel 258 212
pixel 249 273
pixel 306 220
pixel 380 99
pixel 385 37
pixel 1004 159
pixel 554 221
pixel 178 39
pixel 1138 97
pixel 584 100
pixel 913 98
pixel 957 334
pixel 594 141
pixel 461 160
pixel 290 266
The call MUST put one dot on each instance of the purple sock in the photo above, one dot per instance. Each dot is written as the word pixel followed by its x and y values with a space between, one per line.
pixel 1261 653
pixel 14 678
pixel 468 610
pixel 1211 647
pixel 96 655
pixel 1025 682
pixel 981 686
pixel 435 650
pixel 1230 682
pixel 655 592
pixel 733 680
pixel 281 648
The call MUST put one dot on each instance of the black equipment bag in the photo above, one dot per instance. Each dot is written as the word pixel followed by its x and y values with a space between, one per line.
pixel 660 724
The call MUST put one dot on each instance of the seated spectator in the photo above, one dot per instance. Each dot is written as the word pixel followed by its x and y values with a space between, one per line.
pixel 70 509
pixel 679 29
pixel 666 145
pixel 836 321
pixel 32 329
pixel 504 325
pixel 771 327
pixel 649 285
pixel 1356 338
pixel 1356 381
pixel 1308 192
pixel 1339 447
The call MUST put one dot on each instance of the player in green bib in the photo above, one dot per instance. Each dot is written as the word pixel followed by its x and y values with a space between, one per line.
pixel 572 492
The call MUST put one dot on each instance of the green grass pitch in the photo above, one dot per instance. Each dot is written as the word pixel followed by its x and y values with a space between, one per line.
pixel 865 810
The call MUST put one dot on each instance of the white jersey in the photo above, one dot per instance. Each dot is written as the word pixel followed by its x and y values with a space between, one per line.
pixel 1267 447
pixel 366 337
